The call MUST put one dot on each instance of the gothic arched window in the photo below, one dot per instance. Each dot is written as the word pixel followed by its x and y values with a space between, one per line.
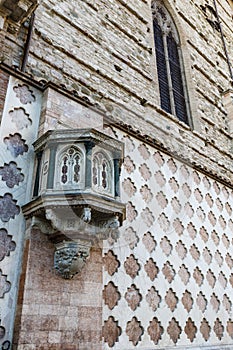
pixel 173 96
pixel 70 167
pixel 102 176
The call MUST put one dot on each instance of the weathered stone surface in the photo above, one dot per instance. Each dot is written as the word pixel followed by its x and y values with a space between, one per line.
pixel 5 285
pixel 134 331
pixel 16 145
pixel 111 331
pixel 8 207
pixel 111 295
pixel 11 174
pixel 6 244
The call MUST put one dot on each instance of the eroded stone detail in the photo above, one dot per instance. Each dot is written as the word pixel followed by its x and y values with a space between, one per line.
pixel 131 237
pixel 214 302
pixel 163 221
pixel 184 274
pixel 201 301
pixel 168 271
pixel 147 217
pixel 171 299
pixel 145 172
pixel 133 297
pixel 194 252
pixel 6 244
pixel 161 199
pixel 205 329
pixel 190 329
pixel 197 275
pixel 111 263
pixel 111 331
pixel 8 207
pixel 134 331
pixel 174 184
pixel 151 269
pixel 131 213
pixel 143 150
pixel 146 194
pixel 187 300
pixel 218 328
pixel 5 285
pixel 210 278
pixel 149 242
pixel 155 330
pixel 174 330
pixel 153 298
pixel 204 235
pixel 131 266
pixel 20 118
pixel 166 246
pixel 129 187
pixel 111 295
pixel 11 174
pixel 16 145
pixel 181 250
pixel 227 303
pixel 128 165
pixel 24 94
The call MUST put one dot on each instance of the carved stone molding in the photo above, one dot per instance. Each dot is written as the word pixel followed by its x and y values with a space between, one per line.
pixel 70 258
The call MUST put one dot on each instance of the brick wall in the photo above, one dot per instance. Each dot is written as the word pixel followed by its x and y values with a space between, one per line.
pixel 54 313
pixel 4 77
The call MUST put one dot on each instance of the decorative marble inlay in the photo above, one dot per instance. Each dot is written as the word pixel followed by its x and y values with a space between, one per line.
pixel 5 285
pixel 207 255
pixel 11 174
pixel 163 221
pixel 222 279
pixel 191 230
pixel 131 213
pixel 212 218
pixel 198 195
pixel 218 328
pixel 111 295
pixel 225 241
pixel 227 303
pixel 133 297
pixel 205 329
pixel 176 205
pixel 190 329
pixel 172 165
pixel 6 244
pixel 155 330
pixel 111 263
pixel 189 210
pixel 166 246
pixel 168 271
pixel 229 261
pixel 158 159
pixel 145 172
pixel 131 237
pixel 111 331
pixel 174 184
pixel 186 190
pixel 151 269
pixel 206 183
pixel 171 299
pixel 181 250
pixel 8 207
pixel 24 94
pixel 185 172
pixel 187 300
pixel 218 257
pixel 204 235
pixel 131 266
pixel 230 328
pixel 201 214
pixel 149 242
pixel 16 145
pixel 210 278
pixel 153 298
pixel 201 301
pixel 214 302
pixel 194 252
pixel 215 237
pixel 198 276
pixel 129 144
pixel 20 118
pixel 174 330
pixel 146 194
pixel 129 187
pixel 160 179
pixel 178 226
pixel 129 165
pixel 196 178
pixel 216 187
pixel 134 330
pixel 184 274
pixel 143 150
pixel 161 199
pixel 209 200
pixel 147 217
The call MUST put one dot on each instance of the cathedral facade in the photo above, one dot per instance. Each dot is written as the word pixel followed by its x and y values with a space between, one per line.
pixel 116 227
